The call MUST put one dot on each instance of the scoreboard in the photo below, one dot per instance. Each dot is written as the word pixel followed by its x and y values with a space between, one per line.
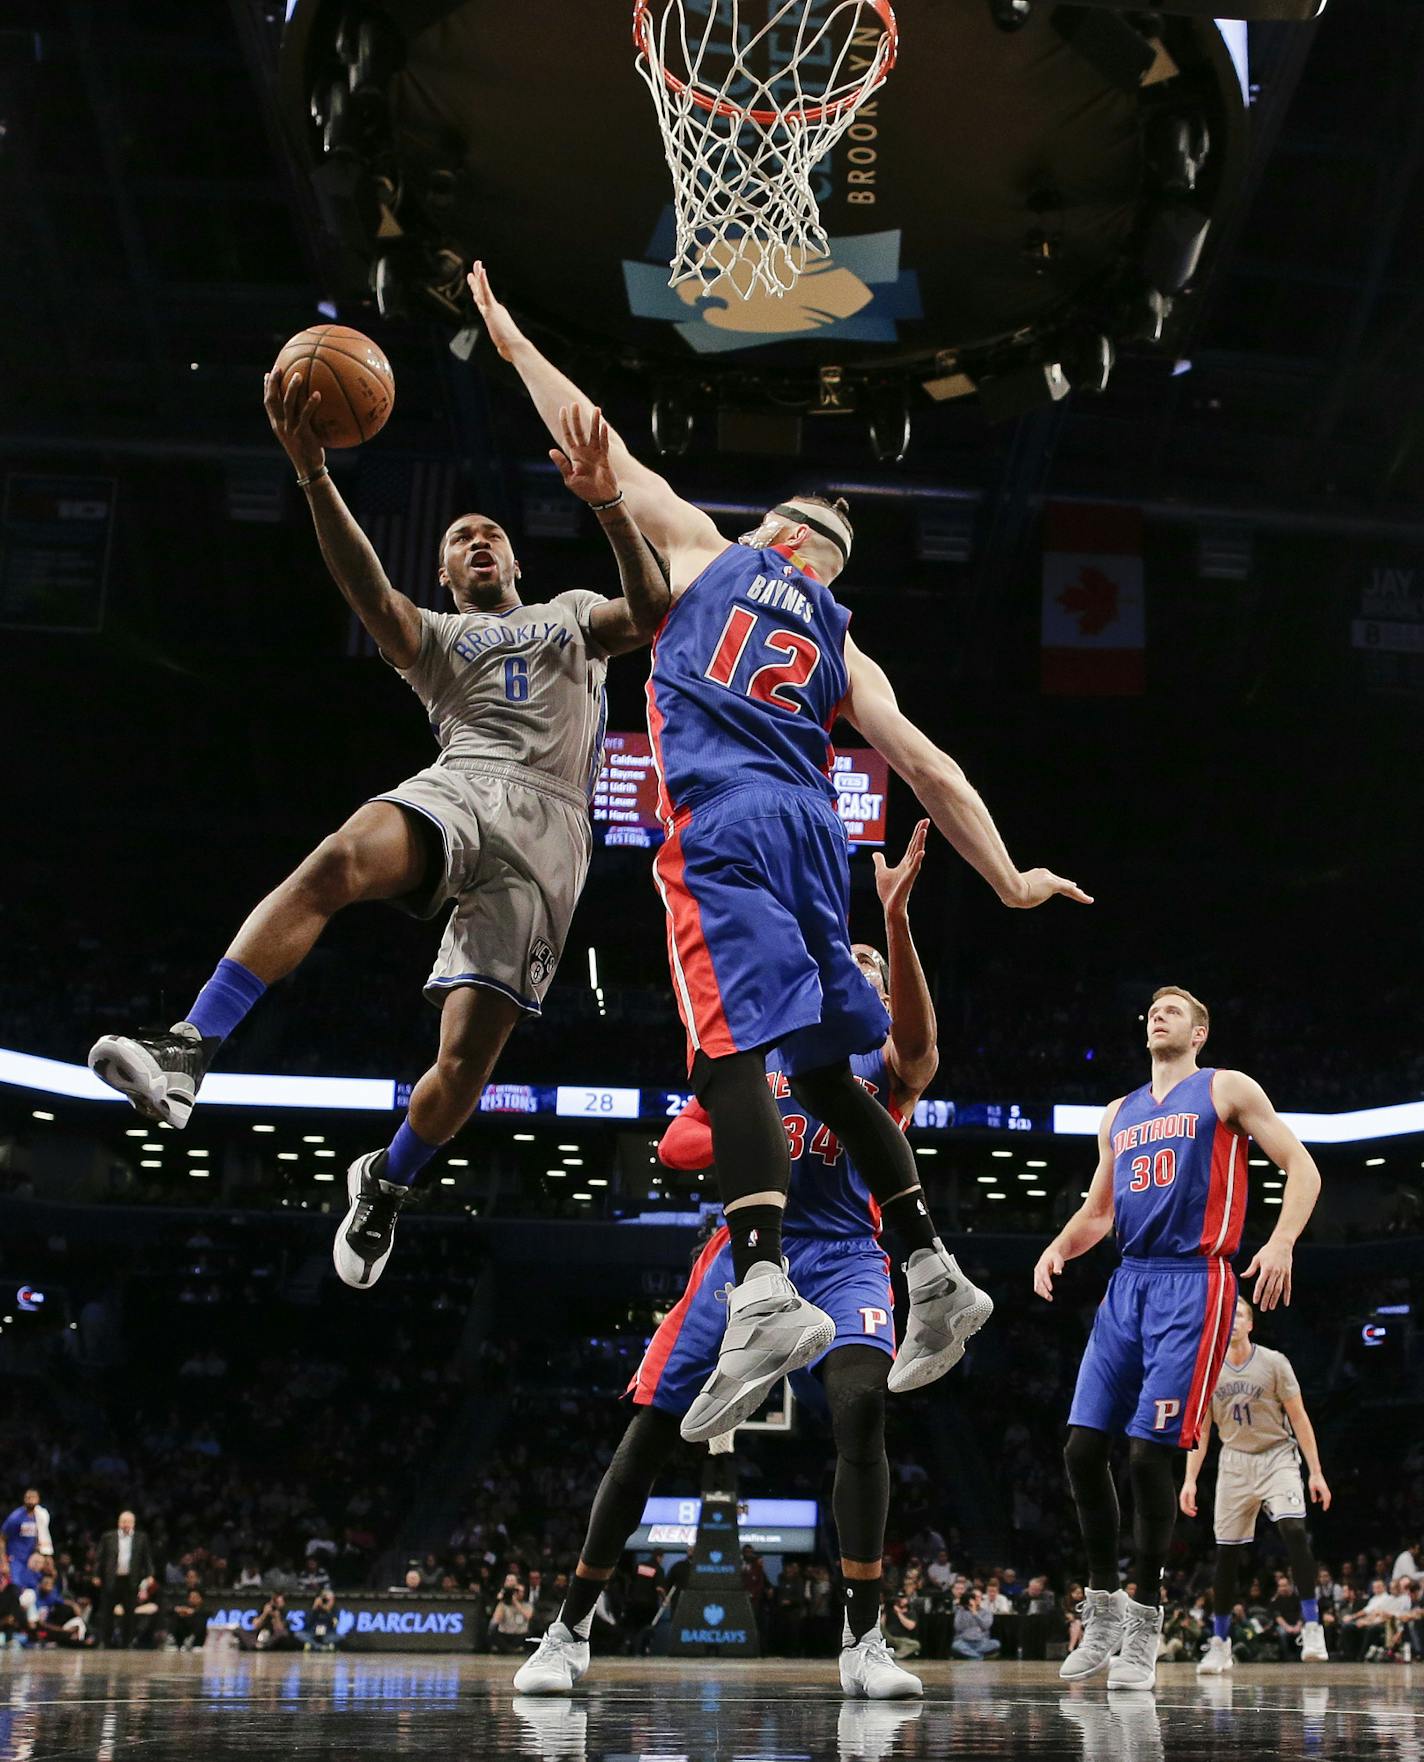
pixel 625 797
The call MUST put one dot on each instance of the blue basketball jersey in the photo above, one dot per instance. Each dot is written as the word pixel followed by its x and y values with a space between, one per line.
pixel 1179 1174
pixel 827 1196
pixel 748 673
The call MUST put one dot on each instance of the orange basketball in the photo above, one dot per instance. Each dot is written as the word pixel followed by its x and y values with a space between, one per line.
pixel 358 389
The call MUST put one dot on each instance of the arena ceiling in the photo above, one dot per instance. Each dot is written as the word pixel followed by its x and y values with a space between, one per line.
pixel 163 241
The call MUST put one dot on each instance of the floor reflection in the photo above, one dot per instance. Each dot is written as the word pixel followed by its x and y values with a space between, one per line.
pixel 162 1708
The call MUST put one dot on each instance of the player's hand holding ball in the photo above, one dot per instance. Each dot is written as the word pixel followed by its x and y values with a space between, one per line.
pixel 292 411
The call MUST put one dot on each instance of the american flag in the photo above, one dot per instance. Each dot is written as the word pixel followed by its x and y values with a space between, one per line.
pixel 404 506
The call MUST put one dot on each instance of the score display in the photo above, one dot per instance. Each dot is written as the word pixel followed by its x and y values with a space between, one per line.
pixel 625 797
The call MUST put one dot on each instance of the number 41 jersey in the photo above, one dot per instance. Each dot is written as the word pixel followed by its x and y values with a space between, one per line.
pixel 1179 1174
pixel 748 674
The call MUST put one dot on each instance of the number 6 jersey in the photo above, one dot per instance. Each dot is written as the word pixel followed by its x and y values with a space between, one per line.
pixel 748 674
pixel 1179 1174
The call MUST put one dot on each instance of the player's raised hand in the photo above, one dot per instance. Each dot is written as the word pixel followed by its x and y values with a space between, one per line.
pixel 894 885
pixel 1037 885
pixel 1319 1491
pixel 292 412
pixel 1271 1268
pixel 501 329
pixel 583 460
pixel 1187 1499
pixel 1050 1266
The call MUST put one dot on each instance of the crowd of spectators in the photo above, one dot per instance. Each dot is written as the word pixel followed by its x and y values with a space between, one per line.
pixel 354 1008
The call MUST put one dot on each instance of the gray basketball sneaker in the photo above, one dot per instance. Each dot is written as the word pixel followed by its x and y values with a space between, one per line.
pixel 771 1331
pixel 946 1311
pixel 1104 1618
pixel 1135 1666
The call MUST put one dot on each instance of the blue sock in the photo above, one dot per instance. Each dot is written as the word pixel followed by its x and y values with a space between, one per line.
pixel 1309 1609
pixel 225 1000
pixel 407 1156
pixel 1221 1626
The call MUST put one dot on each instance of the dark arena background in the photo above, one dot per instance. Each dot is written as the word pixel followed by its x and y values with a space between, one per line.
pixel 1115 356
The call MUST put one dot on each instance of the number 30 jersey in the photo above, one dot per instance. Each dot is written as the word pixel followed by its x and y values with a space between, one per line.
pixel 748 674
pixel 1179 1174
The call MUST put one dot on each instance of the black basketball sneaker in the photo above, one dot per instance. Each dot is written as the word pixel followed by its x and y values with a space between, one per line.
pixel 368 1231
pixel 160 1073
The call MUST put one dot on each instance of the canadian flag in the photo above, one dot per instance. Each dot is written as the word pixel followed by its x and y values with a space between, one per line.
pixel 1093 625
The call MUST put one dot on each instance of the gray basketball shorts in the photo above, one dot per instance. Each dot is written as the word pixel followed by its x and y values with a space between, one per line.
pixel 517 847
pixel 1247 1482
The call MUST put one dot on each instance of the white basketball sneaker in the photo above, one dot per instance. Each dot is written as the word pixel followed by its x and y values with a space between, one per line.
pixel 1135 1666
pixel 1217 1658
pixel 946 1311
pixel 868 1669
pixel 367 1233
pixel 1104 1618
pixel 867 1731
pixel 1312 1644
pixel 771 1331
pixel 559 1661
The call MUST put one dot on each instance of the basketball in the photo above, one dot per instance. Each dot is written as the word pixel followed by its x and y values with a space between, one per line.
pixel 358 389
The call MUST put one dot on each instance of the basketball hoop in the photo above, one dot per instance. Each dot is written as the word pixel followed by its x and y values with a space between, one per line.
pixel 746 115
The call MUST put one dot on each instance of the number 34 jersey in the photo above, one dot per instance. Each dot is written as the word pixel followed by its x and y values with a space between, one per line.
pixel 1179 1174
pixel 748 674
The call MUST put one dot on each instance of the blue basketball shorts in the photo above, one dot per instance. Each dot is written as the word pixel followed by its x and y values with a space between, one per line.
pixel 756 884
pixel 1156 1349
pixel 849 1280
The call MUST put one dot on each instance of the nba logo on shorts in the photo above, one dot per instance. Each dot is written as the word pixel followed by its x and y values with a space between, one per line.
pixel 541 961
pixel 1166 1410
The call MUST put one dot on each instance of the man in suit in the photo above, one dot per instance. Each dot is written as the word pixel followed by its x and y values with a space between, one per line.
pixel 125 1561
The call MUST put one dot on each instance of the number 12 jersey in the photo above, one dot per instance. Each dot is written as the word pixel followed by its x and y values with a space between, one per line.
pixel 748 675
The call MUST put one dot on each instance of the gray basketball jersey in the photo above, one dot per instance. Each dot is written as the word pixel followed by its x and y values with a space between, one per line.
pixel 1248 1403
pixel 524 687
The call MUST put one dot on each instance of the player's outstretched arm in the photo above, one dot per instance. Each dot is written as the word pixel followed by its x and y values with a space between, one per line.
pixel 1196 1458
pixel 683 533
pixel 1243 1103
pixel 1309 1448
pixel 390 617
pixel 912 1051
pixel 587 470
pixel 1092 1220
pixel 944 791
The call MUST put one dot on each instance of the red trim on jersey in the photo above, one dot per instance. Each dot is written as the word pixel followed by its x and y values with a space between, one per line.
pixel 699 997
pixel 655 737
pixel 791 557
pixel 643 1384
pixel 1216 1337
pixel 1226 1192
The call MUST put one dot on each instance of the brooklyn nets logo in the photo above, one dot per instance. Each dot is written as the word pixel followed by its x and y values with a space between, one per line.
pixel 541 961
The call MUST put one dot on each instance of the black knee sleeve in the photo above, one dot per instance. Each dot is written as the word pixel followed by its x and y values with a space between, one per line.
pixel 748 1138
pixel 854 1380
pixel 1154 1472
pixel 1087 1457
pixel 873 1142
pixel 1302 1560
pixel 642 1452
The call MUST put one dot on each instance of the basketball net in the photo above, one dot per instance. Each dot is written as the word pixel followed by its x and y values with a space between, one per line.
pixel 746 114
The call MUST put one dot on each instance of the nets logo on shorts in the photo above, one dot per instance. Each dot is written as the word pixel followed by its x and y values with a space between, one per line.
pixel 541 962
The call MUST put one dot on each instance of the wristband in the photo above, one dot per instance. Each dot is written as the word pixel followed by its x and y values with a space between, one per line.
pixel 603 507
pixel 321 471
